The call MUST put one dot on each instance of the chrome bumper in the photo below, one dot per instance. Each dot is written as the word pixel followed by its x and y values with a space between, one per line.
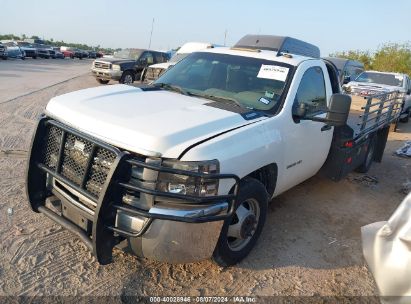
pixel 106 74
pixel 172 241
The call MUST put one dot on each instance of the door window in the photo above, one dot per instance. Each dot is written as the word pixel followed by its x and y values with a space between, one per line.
pixel 312 92
pixel 159 57
pixel 148 57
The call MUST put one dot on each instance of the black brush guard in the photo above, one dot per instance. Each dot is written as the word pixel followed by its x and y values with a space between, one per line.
pixel 105 235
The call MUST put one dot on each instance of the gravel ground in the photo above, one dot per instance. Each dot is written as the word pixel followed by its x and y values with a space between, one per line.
pixel 310 244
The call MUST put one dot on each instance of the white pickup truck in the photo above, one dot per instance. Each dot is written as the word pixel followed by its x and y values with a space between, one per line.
pixel 374 82
pixel 184 169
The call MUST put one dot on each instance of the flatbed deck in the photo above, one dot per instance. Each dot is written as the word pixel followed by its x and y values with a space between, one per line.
pixel 371 112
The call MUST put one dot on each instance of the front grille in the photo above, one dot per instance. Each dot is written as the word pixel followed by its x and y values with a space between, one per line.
pixel 75 163
pixel 152 74
pixel 102 65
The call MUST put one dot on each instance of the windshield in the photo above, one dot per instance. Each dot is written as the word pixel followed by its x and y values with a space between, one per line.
pixel 248 82
pixel 128 54
pixel 380 78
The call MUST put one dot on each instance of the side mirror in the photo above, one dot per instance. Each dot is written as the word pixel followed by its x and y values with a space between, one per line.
pixel 338 110
pixel 347 79
pixel 300 110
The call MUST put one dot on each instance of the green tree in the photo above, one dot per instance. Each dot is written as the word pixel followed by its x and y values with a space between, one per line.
pixel 362 56
pixel 393 57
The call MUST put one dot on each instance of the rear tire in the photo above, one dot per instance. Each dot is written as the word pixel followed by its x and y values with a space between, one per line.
pixel 240 232
pixel 102 81
pixel 369 157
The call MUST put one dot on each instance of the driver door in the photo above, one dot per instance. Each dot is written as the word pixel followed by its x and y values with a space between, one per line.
pixel 308 142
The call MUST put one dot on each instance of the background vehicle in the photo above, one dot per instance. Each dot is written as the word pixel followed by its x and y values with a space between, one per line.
pixel 374 82
pixel 13 50
pixel 184 169
pixel 3 51
pixel 57 53
pixel 348 69
pixel 30 50
pixel 156 70
pixel 126 66
pixel 80 54
pixel 42 51
pixel 92 54
pixel 67 52
pixel 51 51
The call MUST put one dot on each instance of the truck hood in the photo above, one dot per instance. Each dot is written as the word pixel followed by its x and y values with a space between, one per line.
pixel 148 122
pixel 164 65
pixel 114 60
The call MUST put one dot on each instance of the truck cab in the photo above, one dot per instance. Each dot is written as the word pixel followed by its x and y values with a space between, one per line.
pixel 184 169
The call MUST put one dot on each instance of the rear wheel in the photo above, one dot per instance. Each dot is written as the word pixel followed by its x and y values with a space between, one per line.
pixel 102 81
pixel 240 232
pixel 369 157
pixel 127 78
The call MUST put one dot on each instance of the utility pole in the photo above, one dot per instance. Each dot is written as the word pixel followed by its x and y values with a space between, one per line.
pixel 151 34
pixel 225 37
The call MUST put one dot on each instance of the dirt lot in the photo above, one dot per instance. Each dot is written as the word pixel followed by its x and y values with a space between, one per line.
pixel 310 244
pixel 19 77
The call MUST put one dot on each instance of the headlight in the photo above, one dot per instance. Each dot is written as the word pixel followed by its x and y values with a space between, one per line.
pixel 189 185
pixel 115 67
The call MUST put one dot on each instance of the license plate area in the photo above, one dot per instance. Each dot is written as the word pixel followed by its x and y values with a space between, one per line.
pixel 72 214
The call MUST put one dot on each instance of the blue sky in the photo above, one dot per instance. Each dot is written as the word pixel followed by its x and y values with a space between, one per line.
pixel 332 25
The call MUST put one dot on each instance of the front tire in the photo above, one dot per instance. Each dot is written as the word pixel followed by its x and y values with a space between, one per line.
pixel 127 78
pixel 240 232
pixel 102 81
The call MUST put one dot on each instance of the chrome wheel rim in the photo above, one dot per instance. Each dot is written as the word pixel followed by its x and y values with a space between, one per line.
pixel 128 79
pixel 243 225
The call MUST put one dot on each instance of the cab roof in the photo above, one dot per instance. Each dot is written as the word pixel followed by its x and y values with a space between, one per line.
pixel 290 59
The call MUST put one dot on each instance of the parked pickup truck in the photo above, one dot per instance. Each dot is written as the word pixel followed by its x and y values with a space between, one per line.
pixel 184 169
pixel 374 82
pixel 126 66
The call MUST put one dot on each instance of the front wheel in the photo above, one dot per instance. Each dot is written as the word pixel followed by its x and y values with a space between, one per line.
pixel 240 232
pixel 127 78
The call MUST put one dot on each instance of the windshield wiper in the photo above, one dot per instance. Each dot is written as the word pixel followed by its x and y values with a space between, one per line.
pixel 219 98
pixel 171 87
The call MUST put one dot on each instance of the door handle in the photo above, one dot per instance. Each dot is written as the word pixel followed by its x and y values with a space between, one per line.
pixel 325 128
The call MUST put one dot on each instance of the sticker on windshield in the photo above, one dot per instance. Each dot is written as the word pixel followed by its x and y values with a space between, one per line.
pixel 264 100
pixel 273 72
pixel 269 94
